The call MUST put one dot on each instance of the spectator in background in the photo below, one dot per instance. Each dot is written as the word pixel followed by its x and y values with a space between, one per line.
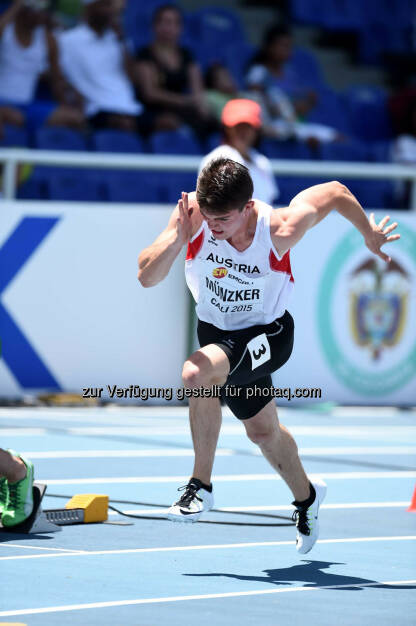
pixel 169 81
pixel 96 62
pixel 241 119
pixel 284 97
pixel 27 50
pixel 220 87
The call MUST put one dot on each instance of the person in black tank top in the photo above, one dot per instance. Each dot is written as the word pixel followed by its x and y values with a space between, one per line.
pixel 169 81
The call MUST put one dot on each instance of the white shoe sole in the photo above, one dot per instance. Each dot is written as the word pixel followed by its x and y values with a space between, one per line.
pixel 183 519
pixel 321 489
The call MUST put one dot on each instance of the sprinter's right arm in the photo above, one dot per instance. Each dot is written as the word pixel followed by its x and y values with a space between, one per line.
pixel 156 260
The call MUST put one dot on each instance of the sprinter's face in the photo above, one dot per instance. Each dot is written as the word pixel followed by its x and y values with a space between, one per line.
pixel 226 225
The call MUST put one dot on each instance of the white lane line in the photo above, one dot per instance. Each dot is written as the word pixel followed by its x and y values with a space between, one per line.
pixel 222 478
pixel 282 507
pixel 155 430
pixel 208 596
pixel 179 452
pixel 154 411
pixel 22 432
pixel 18 545
pixel 353 450
pixel 221 546
pixel 230 429
pixel 96 454
pixel 346 505
pixel 366 411
pixel 104 412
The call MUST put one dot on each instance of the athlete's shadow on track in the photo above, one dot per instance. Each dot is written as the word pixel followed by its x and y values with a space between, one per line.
pixel 312 576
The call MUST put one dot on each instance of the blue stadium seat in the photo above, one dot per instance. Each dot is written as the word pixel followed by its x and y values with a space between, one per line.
pixel 237 57
pixel 351 150
pixel 75 185
pixel 59 138
pixel 290 186
pixel 331 110
pixel 13 136
pixel 380 151
pixel 372 194
pixel 306 11
pixel 173 183
pixel 138 20
pixel 140 186
pixel 213 142
pixel 180 141
pixel 33 189
pixel 116 141
pixel 217 25
pixel 275 149
pixel 368 113
pixel 206 54
pixel 307 67
pixel 380 11
pixel 341 15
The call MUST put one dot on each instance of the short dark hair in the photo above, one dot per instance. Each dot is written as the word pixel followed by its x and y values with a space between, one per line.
pixel 274 32
pixel 158 12
pixel 224 185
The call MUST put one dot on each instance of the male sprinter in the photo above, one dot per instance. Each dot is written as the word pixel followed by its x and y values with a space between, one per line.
pixel 238 270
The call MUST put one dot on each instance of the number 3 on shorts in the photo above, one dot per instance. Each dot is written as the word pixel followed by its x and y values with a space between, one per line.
pixel 259 349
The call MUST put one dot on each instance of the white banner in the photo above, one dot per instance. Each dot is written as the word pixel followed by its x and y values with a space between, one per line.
pixel 73 315
pixel 355 316
pixel 72 312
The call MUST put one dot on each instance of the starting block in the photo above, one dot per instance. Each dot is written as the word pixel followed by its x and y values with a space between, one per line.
pixel 81 509
pixel 37 522
pixel 87 508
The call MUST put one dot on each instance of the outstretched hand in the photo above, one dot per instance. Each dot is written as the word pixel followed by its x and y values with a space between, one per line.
pixel 184 222
pixel 380 235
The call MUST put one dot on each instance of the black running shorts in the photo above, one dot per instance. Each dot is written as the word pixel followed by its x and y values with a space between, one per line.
pixel 254 353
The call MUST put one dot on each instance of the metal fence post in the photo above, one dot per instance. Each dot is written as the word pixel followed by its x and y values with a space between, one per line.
pixel 9 179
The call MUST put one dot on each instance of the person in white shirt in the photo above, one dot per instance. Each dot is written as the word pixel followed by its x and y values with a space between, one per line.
pixel 241 119
pixel 96 62
pixel 285 97
pixel 28 51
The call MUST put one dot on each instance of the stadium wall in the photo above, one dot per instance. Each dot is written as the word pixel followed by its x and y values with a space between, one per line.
pixel 73 315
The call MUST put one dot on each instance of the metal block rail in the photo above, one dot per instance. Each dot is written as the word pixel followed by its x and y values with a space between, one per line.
pixel 65 517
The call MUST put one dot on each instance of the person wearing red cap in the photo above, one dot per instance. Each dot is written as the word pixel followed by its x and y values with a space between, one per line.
pixel 238 271
pixel 241 120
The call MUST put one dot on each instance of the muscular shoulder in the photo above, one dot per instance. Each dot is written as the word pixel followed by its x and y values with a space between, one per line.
pixel 277 218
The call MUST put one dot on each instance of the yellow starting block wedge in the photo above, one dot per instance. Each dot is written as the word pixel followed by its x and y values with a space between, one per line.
pixel 95 507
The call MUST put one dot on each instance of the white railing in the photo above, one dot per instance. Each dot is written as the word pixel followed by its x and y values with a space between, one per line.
pixel 11 157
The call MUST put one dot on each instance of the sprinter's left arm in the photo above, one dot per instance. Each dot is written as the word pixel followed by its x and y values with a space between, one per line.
pixel 312 205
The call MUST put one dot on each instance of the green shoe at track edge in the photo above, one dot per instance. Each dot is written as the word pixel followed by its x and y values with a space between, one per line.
pixel 4 494
pixel 20 503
